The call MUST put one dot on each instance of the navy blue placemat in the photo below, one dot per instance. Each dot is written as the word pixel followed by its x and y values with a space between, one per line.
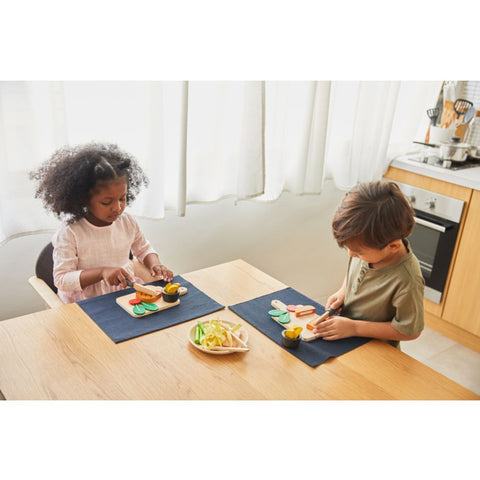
pixel 313 353
pixel 120 325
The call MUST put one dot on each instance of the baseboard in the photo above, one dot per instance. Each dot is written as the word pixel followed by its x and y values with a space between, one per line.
pixel 451 331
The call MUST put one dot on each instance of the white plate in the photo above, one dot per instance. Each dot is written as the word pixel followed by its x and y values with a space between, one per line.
pixel 241 333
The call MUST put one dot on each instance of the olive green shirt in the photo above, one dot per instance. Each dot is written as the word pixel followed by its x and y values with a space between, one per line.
pixel 390 294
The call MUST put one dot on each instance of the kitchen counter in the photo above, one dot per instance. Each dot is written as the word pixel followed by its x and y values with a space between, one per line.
pixel 467 177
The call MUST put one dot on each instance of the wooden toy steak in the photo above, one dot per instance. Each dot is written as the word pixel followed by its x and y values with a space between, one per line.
pixel 301 315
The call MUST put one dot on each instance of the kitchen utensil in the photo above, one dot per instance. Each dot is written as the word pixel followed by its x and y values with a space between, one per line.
pixel 467 117
pixel 454 151
pixel 439 104
pixel 439 135
pixel 473 133
pixel 461 105
pixel 328 312
pixel 448 115
pixel 230 349
pixel 449 91
pixel 433 115
pixel 141 288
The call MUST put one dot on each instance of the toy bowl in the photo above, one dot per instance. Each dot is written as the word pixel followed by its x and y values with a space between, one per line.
pixel 170 297
pixel 290 342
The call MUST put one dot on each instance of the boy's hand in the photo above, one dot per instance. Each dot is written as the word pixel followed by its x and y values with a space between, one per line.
pixel 161 272
pixel 335 327
pixel 336 300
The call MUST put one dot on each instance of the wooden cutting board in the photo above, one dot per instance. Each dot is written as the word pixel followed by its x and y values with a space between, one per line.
pixel 161 303
pixel 306 335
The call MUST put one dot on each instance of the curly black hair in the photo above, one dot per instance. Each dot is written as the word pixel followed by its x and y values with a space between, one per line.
pixel 67 177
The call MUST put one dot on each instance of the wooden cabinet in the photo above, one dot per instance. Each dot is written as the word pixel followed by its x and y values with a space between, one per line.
pixel 462 306
pixel 458 315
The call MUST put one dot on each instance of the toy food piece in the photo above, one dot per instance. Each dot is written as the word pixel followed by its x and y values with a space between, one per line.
pixel 311 325
pixel 152 307
pixel 134 301
pixel 303 310
pixel 215 334
pixel 293 331
pixel 284 318
pixel 171 287
pixel 291 308
pixel 145 297
pixel 139 309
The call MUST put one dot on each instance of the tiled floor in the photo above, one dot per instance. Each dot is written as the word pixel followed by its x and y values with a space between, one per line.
pixel 446 357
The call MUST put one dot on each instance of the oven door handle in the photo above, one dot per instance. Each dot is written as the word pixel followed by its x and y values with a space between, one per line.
pixel 433 226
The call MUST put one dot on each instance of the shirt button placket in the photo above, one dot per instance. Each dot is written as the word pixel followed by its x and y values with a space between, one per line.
pixel 361 276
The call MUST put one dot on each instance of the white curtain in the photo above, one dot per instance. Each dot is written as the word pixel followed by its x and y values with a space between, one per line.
pixel 371 122
pixel 203 141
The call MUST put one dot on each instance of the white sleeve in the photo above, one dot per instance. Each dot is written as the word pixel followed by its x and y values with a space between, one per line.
pixel 66 275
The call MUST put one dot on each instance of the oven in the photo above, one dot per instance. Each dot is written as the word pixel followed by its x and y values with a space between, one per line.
pixel 437 220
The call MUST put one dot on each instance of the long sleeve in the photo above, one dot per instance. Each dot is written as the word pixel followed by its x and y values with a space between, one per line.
pixel 66 274
pixel 82 246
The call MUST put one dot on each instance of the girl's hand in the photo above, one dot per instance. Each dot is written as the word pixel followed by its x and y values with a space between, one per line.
pixel 161 272
pixel 335 327
pixel 115 276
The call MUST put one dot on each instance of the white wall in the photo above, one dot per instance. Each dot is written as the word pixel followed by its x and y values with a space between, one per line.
pixel 289 239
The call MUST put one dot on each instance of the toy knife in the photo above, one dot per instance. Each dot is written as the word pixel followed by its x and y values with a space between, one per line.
pixel 141 288
pixel 327 313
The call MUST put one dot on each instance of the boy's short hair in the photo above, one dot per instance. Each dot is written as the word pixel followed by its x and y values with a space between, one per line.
pixel 373 214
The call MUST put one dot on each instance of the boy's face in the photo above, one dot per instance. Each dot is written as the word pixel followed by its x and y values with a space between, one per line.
pixel 107 202
pixel 375 257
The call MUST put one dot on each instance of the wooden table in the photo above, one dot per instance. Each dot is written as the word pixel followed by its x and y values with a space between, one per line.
pixel 62 354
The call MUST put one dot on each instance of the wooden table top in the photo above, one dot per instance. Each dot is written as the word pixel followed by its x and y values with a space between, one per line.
pixel 62 354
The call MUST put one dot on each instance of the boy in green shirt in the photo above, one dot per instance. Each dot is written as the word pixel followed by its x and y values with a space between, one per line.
pixel 382 294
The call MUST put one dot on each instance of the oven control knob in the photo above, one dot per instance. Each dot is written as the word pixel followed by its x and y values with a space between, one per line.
pixel 430 203
pixel 412 199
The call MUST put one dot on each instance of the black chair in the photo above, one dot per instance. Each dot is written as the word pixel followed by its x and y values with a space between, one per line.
pixel 42 281
pixel 44 266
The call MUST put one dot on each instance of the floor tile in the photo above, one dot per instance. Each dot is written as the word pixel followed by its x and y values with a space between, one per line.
pixel 428 344
pixel 460 364
pixel 447 357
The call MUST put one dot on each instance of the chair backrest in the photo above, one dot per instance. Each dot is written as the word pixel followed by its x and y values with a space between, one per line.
pixel 44 266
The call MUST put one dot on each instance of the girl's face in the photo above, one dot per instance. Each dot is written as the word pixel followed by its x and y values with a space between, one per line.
pixel 107 202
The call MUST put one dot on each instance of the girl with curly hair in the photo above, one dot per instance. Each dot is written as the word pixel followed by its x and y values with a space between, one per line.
pixel 88 187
